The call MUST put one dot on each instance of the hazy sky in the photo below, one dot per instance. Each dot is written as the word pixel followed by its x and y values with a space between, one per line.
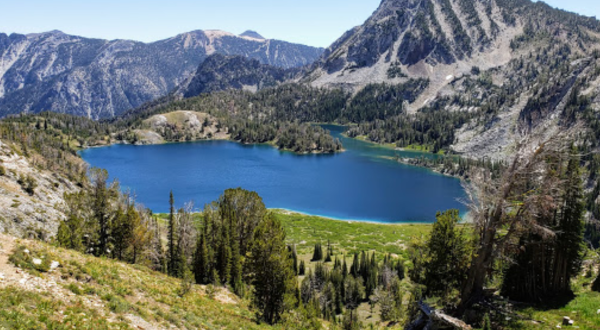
pixel 311 22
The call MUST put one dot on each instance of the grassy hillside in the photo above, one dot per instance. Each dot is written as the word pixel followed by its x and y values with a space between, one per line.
pixel 85 292
pixel 348 237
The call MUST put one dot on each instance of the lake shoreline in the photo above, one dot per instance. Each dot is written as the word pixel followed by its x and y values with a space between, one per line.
pixel 349 221
pixel 365 184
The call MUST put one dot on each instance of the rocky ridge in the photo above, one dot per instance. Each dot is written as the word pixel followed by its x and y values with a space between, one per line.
pixel 34 214
pixel 101 78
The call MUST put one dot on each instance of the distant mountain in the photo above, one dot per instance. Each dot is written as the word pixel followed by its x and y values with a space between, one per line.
pixel 220 72
pixel 252 34
pixel 101 79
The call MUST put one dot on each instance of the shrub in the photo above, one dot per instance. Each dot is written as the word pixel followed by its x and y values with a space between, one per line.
pixel 118 305
pixel 74 288
pixel 28 184
pixel 28 260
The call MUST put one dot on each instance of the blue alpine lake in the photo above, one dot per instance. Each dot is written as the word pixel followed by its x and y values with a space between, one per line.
pixel 365 182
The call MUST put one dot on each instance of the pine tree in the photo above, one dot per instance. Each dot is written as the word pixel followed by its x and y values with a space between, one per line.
pixel 294 256
pixel 448 255
pixel 172 253
pixel 371 281
pixel 570 246
pixel 224 258
pixel 160 262
pixel 363 268
pixel 181 264
pixel 271 271
pixel 301 268
pixel 318 253
pixel 329 252
pixel 100 208
pixel 70 233
pixel 236 270
pixel 544 266
pixel 122 232
pixel 354 295
pixel 355 268
pixel 202 270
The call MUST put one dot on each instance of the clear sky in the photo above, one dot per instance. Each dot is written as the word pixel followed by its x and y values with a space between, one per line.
pixel 310 22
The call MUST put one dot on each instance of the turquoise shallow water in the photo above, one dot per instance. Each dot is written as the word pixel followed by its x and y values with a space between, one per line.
pixel 363 183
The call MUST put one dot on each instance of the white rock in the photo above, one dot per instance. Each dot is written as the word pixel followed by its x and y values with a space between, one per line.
pixel 54 265
pixel 1 276
pixel 37 261
pixel 449 77
pixel 26 251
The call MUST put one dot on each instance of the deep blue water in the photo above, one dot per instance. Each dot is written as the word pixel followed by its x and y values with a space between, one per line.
pixel 363 183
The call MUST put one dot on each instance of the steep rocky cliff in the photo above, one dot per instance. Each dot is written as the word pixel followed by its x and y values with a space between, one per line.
pixel 101 79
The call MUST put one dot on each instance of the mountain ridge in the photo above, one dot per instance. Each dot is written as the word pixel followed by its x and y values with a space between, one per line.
pixel 101 78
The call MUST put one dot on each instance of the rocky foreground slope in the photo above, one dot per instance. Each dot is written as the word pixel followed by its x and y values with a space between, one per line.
pixel 31 199
pixel 101 78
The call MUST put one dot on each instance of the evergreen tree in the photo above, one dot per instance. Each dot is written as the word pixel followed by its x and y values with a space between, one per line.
pixel 329 252
pixel 569 240
pixel 447 255
pixel 544 266
pixel 271 271
pixel 100 208
pixel 294 256
pixel 354 295
pixel 236 270
pixel 122 232
pixel 160 260
pixel 172 253
pixel 364 266
pixel 371 277
pixel 224 257
pixel 318 253
pixel 202 270
pixel 242 210
pixel 70 233
pixel 355 268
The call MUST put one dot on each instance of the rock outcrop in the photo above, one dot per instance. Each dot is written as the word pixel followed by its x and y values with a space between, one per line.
pixel 34 213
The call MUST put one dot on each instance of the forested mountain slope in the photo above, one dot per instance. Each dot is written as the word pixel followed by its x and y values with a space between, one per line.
pixel 509 68
pixel 219 72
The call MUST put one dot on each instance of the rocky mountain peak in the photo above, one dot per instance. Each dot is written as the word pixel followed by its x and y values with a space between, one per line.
pixel 439 40
pixel 252 34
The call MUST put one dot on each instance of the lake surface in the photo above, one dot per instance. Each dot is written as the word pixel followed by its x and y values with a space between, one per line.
pixel 363 183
